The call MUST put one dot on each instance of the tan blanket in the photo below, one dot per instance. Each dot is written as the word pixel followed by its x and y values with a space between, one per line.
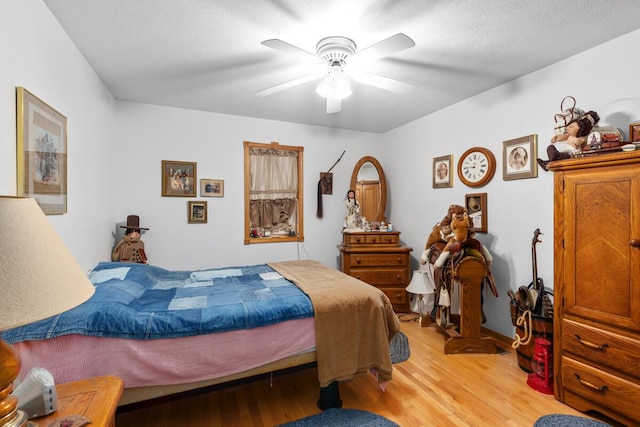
pixel 354 321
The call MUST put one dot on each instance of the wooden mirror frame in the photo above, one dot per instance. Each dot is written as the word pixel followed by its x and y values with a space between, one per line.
pixel 380 216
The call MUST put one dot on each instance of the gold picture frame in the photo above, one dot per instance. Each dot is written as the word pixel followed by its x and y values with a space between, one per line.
pixel 41 153
pixel 211 188
pixel 519 158
pixel 179 179
pixel 197 212
pixel 476 205
pixel 634 132
pixel 442 176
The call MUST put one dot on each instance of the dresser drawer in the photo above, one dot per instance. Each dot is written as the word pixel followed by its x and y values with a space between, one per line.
pixel 601 347
pixel 379 238
pixel 382 276
pixel 397 296
pixel 382 239
pixel 604 389
pixel 379 260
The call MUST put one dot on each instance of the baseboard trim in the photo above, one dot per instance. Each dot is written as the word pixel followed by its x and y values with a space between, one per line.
pixel 502 340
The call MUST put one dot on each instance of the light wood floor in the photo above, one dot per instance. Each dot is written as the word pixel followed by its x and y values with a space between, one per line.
pixel 430 389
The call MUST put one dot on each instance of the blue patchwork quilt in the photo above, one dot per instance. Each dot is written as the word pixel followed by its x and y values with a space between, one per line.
pixel 141 301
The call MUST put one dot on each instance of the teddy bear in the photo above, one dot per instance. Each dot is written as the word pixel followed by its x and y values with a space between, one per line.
pixel 460 226
pixel 441 232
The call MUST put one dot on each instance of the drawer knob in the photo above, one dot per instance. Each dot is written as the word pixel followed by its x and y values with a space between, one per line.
pixel 599 389
pixel 635 243
pixel 399 260
pixel 601 347
pixel 358 260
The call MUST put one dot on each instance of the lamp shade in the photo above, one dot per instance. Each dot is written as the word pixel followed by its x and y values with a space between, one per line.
pixel 39 277
pixel 421 283
pixel 336 84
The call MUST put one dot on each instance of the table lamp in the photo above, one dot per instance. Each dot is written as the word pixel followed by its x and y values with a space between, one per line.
pixel 39 278
pixel 422 284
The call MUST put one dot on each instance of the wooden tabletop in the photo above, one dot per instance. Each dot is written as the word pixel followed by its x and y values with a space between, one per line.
pixel 94 398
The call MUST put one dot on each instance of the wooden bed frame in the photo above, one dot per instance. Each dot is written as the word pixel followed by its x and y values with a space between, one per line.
pixel 133 397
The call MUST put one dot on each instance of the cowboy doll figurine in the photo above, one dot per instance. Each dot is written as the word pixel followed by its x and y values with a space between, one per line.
pixel 130 248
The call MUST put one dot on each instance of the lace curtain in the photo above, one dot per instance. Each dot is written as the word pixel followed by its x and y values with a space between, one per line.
pixel 273 188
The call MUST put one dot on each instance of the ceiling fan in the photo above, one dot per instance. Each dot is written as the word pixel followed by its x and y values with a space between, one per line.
pixel 331 56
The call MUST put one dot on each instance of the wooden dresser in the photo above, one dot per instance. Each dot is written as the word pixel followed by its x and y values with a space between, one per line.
pixel 597 284
pixel 378 258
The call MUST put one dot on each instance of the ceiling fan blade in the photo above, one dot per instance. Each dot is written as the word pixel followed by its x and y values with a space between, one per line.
pixel 334 105
pixel 290 49
pixel 386 47
pixel 289 84
pixel 385 83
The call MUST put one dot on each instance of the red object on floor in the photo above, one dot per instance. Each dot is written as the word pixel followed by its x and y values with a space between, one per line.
pixel 541 379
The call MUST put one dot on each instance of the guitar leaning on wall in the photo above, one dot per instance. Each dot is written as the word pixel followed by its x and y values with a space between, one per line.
pixel 534 297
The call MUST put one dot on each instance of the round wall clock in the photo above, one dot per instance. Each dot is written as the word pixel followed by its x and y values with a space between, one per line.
pixel 476 167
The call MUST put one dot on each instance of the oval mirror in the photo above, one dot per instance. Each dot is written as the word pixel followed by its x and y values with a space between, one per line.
pixel 370 185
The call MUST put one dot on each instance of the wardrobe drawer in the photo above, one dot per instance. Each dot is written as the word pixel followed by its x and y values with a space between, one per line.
pixel 600 387
pixel 379 260
pixel 382 276
pixel 601 347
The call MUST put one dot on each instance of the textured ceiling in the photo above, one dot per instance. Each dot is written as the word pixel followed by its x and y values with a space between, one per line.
pixel 207 54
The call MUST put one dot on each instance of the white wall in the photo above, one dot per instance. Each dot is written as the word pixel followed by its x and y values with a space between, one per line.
pixel 116 149
pixel 38 55
pixel 603 79
pixel 148 134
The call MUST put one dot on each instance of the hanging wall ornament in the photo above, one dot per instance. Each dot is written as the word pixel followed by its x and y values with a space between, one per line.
pixel 325 185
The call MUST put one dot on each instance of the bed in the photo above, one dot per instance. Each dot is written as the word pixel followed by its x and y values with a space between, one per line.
pixel 165 331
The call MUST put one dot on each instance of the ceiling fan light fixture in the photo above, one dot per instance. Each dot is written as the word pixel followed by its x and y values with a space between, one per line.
pixel 335 48
pixel 336 85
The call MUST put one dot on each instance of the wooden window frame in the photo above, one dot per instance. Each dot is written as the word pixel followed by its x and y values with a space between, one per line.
pixel 299 223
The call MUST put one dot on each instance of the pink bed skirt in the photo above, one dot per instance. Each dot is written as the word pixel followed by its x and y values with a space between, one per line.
pixel 166 361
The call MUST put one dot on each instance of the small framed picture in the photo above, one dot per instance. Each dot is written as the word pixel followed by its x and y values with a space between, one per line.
pixel 179 178
pixel 211 188
pixel 634 132
pixel 519 158
pixel 476 205
pixel 197 212
pixel 442 176
pixel 326 183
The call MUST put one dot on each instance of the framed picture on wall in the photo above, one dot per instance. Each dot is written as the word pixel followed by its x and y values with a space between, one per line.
pixel 41 153
pixel 197 212
pixel 179 178
pixel 211 188
pixel 519 158
pixel 634 132
pixel 442 176
pixel 476 205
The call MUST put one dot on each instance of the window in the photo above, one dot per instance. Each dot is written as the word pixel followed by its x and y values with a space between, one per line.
pixel 273 193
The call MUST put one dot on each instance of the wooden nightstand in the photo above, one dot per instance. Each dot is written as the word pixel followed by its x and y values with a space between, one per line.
pixel 95 398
